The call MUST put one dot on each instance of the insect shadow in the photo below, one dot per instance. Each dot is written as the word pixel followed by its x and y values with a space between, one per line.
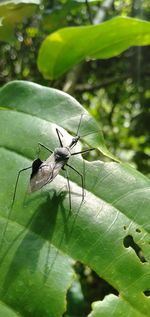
pixel 44 172
pixel 42 224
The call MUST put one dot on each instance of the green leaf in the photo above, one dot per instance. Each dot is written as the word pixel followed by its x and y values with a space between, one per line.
pixel 118 307
pixel 43 236
pixel 66 47
pixel 53 106
pixel 13 12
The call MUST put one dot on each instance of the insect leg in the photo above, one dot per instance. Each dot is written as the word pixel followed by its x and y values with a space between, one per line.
pixel 88 150
pixel 13 200
pixel 69 190
pixel 17 180
pixel 45 147
pixel 82 180
pixel 58 134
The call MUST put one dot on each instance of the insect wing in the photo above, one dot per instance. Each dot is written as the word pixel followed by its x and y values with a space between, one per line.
pixel 47 171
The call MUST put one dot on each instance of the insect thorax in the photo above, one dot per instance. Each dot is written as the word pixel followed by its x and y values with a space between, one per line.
pixel 62 154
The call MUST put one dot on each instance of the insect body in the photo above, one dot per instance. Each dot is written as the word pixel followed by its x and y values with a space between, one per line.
pixel 44 172
pixel 48 169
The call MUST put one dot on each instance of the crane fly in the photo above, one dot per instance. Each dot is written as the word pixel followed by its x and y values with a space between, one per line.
pixel 44 172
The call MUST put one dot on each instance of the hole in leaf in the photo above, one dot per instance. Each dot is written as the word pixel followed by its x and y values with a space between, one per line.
pixel 129 242
pixel 93 287
pixel 138 230
pixel 147 293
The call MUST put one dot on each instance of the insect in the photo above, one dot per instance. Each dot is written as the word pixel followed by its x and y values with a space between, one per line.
pixel 44 172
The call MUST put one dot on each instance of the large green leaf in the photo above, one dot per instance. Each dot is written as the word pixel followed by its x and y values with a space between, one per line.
pixel 13 12
pixel 43 235
pixel 66 47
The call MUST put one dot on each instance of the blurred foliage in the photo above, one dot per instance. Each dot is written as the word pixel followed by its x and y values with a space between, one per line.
pixel 14 12
pixel 115 91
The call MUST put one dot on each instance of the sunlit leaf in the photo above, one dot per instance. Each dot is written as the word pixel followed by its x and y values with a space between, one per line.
pixel 66 47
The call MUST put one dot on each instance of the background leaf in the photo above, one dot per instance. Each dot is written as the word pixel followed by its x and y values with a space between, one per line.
pixel 66 47
pixel 104 232
pixel 13 12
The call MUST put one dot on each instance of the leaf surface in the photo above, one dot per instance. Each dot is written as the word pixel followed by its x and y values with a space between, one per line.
pixel 43 236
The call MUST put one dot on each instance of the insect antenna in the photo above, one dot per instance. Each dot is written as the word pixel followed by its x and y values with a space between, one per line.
pixel 72 144
pixel 77 134
pixel 59 134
